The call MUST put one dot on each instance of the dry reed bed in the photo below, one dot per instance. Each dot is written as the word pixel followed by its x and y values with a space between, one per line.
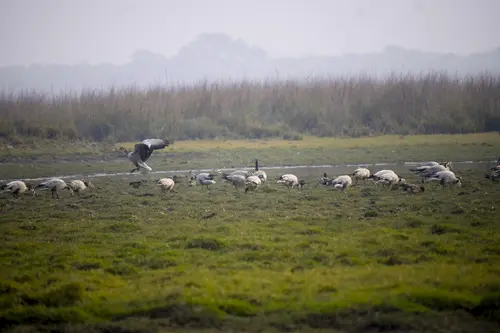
pixel 351 106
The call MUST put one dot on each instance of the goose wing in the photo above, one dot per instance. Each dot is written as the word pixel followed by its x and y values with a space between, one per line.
pixel 143 151
pixel 146 147
pixel 154 144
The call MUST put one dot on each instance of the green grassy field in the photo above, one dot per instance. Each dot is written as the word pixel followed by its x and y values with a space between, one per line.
pixel 119 259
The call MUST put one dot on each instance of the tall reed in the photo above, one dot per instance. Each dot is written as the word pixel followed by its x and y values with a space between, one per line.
pixel 347 106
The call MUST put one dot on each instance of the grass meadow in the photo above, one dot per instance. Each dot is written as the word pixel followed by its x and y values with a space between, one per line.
pixel 51 158
pixel 118 259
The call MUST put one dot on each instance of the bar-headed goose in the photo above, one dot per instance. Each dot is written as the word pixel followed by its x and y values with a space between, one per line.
pixel 18 187
pixel 79 186
pixel 55 185
pixel 142 152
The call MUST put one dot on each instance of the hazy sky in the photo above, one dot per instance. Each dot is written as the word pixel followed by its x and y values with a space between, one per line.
pixel 94 31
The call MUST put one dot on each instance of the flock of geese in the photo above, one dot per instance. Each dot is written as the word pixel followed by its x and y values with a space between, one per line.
pixel 250 180
pixel 18 187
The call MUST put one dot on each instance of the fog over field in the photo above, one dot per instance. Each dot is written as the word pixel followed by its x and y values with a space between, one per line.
pixel 56 45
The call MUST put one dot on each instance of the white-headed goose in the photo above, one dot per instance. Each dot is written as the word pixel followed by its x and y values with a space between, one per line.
pixel 18 187
pixel 55 185
pixel 291 181
pixel 79 186
pixel 445 178
pixel 166 184
pixel 360 174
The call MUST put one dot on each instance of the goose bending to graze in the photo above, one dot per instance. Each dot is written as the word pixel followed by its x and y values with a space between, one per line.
pixel 259 172
pixel 428 172
pixel 142 152
pixel 411 188
pixel 377 175
pixel 424 166
pixel 252 182
pixel 18 187
pixel 388 178
pixel 238 181
pixel 341 182
pixel 55 185
pixel 79 186
pixel 205 178
pixel 445 178
pixel 244 173
pixel 291 181
pixel 360 174
pixel 166 184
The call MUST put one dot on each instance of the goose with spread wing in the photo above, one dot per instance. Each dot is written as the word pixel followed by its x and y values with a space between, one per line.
pixel 143 150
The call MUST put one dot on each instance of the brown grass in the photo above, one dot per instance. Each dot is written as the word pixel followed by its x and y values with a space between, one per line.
pixel 351 106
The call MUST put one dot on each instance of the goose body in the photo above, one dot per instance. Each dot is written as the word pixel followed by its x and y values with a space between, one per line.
pixel 55 185
pixel 445 178
pixel 260 173
pixel 430 163
pixel 244 173
pixel 143 150
pixel 166 184
pixel 424 166
pixel 18 187
pixel 382 173
pixel 360 174
pixel 388 178
pixel 205 178
pixel 341 182
pixel 252 182
pixel 238 181
pixel 291 181
pixel 428 172
pixel 79 186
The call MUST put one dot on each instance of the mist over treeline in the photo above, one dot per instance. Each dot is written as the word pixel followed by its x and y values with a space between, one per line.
pixel 215 57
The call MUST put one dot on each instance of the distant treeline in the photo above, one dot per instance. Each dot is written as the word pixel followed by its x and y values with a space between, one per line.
pixel 352 106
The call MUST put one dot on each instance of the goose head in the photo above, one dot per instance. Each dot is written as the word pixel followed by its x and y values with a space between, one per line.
pixel 324 180
pixel 123 150
pixel 31 188
pixel 89 184
pixel 67 187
